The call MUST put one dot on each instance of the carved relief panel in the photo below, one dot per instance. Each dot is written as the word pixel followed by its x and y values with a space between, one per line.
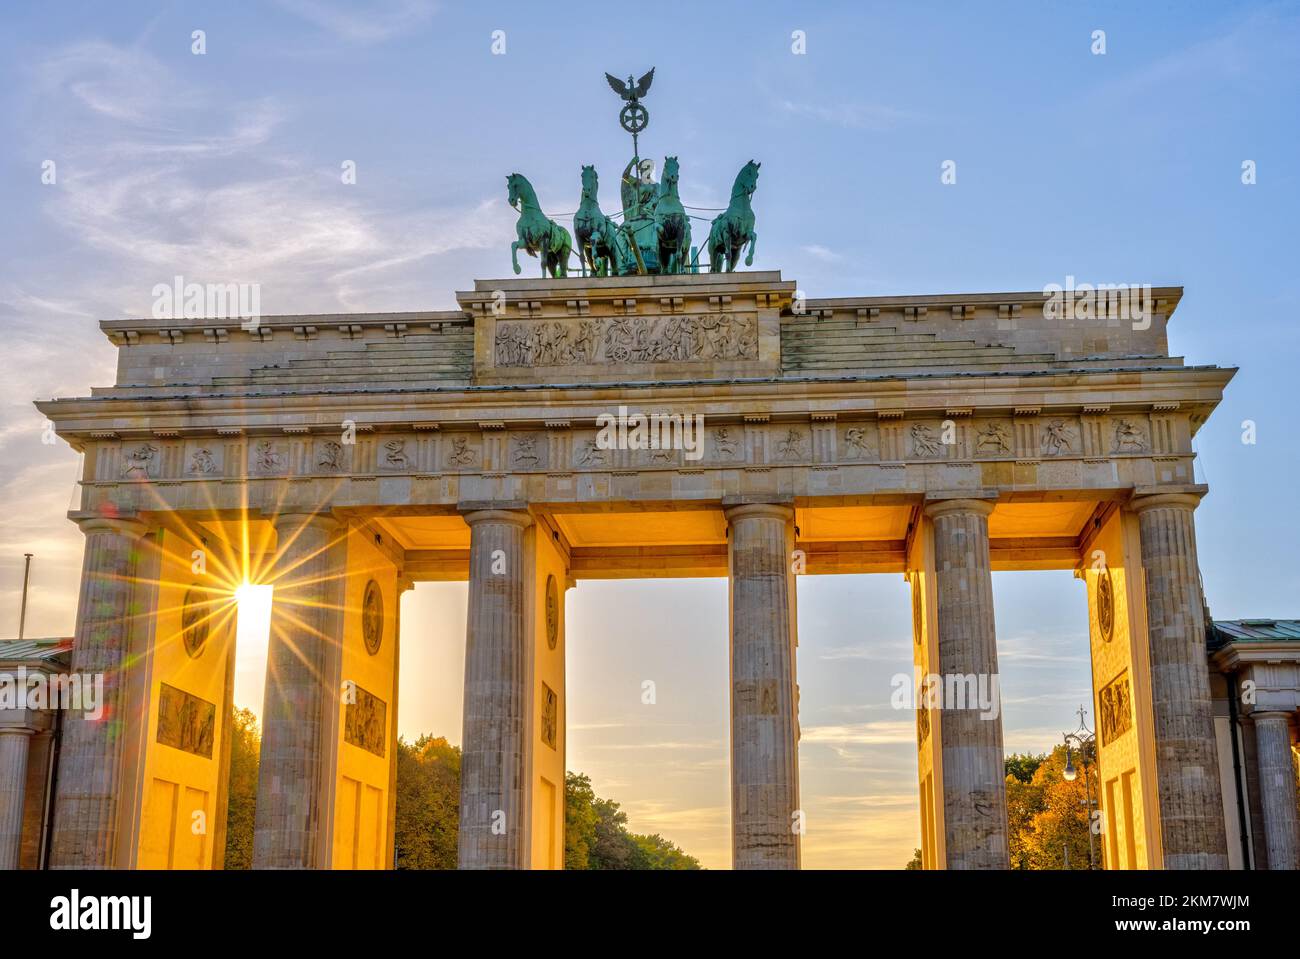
pixel 185 721
pixel 626 340
pixel 204 459
pixel 461 451
pixel 993 438
pixel 1129 434
pixel 550 716
pixel 365 721
pixel 1116 706
pixel 860 441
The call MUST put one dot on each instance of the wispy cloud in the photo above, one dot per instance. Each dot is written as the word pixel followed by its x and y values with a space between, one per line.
pixel 859 116
pixel 884 732
pixel 161 193
pixel 819 252
pixel 371 22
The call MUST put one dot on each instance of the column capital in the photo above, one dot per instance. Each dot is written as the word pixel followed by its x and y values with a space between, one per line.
pixel 1257 715
pixel 1156 497
pixel 517 517
pixel 941 507
pixel 769 510
pixel 127 523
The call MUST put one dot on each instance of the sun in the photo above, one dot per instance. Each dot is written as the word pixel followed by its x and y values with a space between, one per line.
pixel 252 636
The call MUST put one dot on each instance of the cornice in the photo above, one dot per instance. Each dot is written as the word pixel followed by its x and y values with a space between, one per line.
pixel 1192 390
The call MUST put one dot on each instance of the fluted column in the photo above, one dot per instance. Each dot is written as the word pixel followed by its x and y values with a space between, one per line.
pixel 974 781
pixel 764 710
pixel 493 765
pixel 305 635
pixel 14 744
pixel 1277 789
pixel 86 803
pixel 1187 769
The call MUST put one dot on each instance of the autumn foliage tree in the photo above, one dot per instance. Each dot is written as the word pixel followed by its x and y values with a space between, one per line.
pixel 428 803
pixel 1046 815
pixel 241 808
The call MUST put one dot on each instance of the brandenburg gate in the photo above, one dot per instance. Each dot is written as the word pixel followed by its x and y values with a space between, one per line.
pixel 345 457
pixel 659 415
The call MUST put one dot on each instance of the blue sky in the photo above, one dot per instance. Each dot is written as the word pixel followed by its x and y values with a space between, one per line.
pixel 1123 167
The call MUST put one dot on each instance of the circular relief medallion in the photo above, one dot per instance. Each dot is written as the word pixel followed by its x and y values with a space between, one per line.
pixel 194 621
pixel 1105 605
pixel 372 617
pixel 552 612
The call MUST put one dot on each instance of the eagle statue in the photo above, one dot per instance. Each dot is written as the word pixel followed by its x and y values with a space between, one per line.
pixel 629 92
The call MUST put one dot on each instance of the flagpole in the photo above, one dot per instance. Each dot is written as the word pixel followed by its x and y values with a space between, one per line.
pixel 27 572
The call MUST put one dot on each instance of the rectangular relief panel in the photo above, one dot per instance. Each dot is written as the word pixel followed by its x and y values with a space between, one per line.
pixel 186 722
pixel 1116 716
pixel 550 716
pixel 365 721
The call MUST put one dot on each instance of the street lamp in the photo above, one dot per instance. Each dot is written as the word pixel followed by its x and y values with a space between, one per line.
pixel 1084 740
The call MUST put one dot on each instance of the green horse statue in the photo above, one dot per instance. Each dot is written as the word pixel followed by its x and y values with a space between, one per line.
pixel 672 225
pixel 600 244
pixel 732 230
pixel 538 235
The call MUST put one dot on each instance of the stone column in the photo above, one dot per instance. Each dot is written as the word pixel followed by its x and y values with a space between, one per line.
pixel 305 637
pixel 86 803
pixel 14 743
pixel 1187 769
pixel 493 765
pixel 764 711
pixel 974 781
pixel 1277 789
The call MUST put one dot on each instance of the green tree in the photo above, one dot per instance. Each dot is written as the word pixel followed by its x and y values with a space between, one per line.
pixel 428 812
pixel 915 862
pixel 428 804
pixel 656 852
pixel 1023 765
pixel 596 835
pixel 614 848
pixel 579 821
pixel 241 803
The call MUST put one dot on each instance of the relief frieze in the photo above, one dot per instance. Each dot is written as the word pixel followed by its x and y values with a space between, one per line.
pixel 1059 442
pixel 627 339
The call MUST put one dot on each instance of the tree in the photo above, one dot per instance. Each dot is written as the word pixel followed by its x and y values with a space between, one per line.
pixel 1023 765
pixel 1047 815
pixel 241 804
pixel 1024 801
pixel 428 812
pixel 596 835
pixel 428 804
pixel 579 821
pixel 656 852
pixel 915 862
